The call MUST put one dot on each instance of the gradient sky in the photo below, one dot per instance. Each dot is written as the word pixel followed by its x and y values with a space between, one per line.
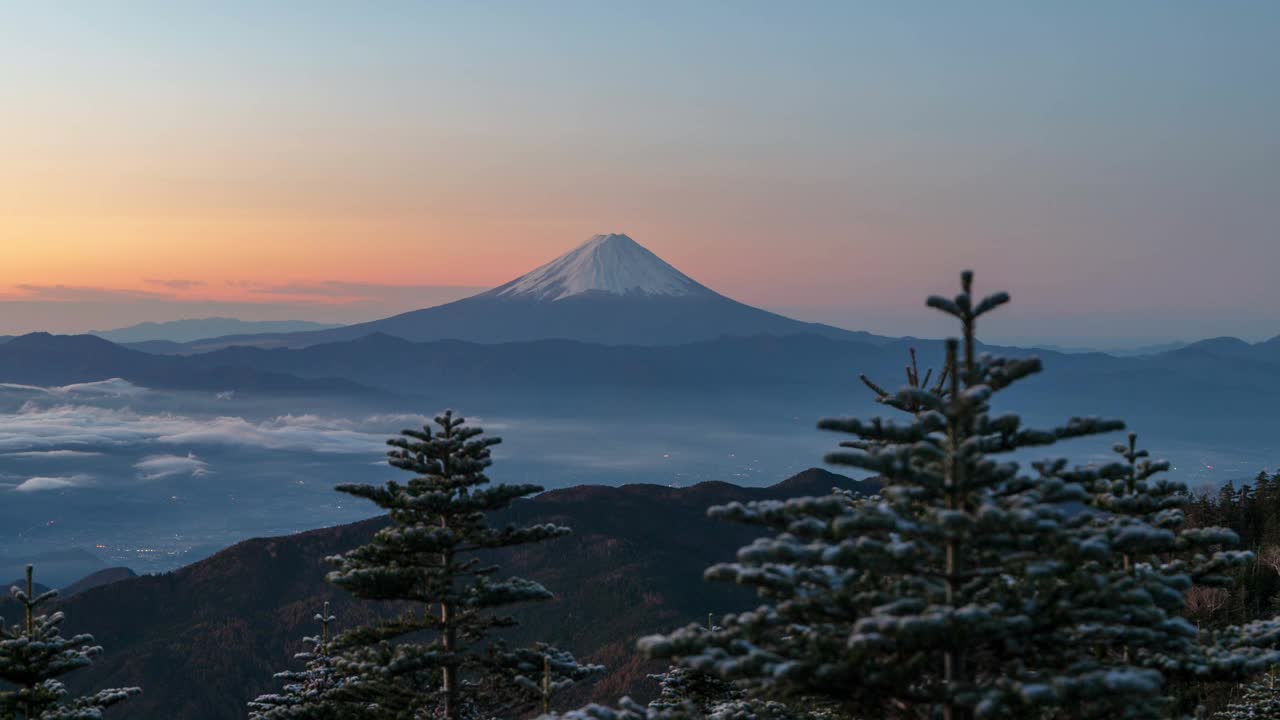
pixel 1115 165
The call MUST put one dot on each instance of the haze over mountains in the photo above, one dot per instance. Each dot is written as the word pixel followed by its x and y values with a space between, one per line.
pixel 606 365
pixel 612 319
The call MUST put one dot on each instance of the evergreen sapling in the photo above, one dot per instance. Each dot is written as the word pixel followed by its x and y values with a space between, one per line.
pixel 439 659
pixel 302 687
pixel 34 656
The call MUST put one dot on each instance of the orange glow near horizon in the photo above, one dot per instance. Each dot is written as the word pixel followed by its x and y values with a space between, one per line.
pixel 199 159
pixel 148 242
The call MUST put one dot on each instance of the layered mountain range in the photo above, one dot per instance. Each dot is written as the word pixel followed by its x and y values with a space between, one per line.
pixel 1216 391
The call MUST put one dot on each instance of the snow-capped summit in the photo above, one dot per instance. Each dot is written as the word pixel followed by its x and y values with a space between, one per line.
pixel 613 264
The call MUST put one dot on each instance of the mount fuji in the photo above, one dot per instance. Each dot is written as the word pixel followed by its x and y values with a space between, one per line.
pixel 608 264
pixel 609 290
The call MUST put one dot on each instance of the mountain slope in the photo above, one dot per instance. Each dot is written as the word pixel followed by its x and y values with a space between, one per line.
pixel 206 638
pixel 101 578
pixel 609 290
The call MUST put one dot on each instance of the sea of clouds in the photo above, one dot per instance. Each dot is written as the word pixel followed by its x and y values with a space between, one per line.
pixel 114 465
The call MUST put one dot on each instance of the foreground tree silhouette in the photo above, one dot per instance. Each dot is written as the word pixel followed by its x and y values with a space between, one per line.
pixel 971 588
pixel 438 659
pixel 34 655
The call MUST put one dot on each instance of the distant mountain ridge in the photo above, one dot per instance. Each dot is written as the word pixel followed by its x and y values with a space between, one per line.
pixel 1134 351
pixel 1266 351
pixel 46 360
pixel 180 331
pixel 1225 386
pixel 610 290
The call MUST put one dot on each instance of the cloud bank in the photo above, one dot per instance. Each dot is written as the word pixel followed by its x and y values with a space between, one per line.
pixel 38 484
pixel 86 428
pixel 158 467
pixel 115 387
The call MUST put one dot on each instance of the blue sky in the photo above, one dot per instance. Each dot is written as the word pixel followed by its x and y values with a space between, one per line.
pixel 1115 165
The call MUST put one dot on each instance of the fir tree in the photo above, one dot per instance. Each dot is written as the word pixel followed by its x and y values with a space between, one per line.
pixel 687 692
pixel 1183 571
pixel 1259 701
pixel 302 688
pixel 955 593
pixel 438 659
pixel 627 709
pixel 680 687
pixel 34 656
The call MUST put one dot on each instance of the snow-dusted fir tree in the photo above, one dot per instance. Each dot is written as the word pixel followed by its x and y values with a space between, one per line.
pixel 34 656
pixel 1259 700
pixel 685 692
pixel 948 597
pixel 681 687
pixel 438 658
pixel 1141 513
pixel 302 687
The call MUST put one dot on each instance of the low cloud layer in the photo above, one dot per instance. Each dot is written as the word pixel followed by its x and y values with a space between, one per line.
pixel 56 437
pixel 115 387
pixel 158 467
pixel 81 427
pixel 51 454
pixel 38 484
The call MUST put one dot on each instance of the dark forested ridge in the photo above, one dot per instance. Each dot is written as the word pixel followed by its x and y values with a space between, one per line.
pixel 204 638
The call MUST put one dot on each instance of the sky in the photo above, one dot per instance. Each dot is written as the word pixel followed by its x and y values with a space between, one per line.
pixel 1115 166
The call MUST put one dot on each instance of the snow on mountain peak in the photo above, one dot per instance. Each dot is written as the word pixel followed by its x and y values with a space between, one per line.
pixel 612 263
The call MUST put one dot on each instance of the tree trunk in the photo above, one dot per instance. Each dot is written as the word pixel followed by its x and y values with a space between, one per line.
pixel 952 662
pixel 450 669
